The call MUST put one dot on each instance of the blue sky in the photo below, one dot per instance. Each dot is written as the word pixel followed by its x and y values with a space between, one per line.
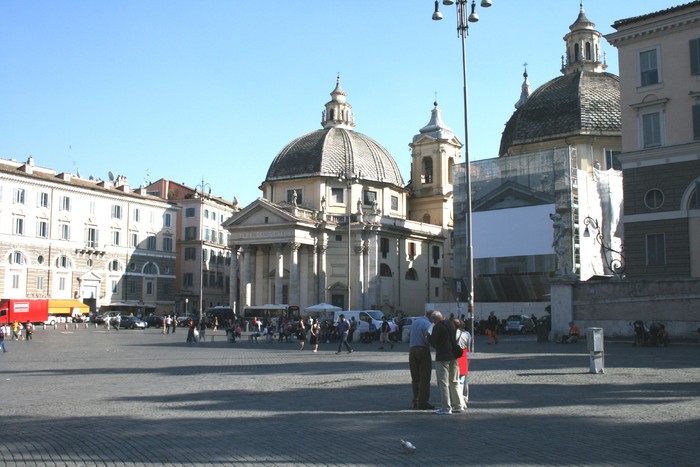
pixel 212 90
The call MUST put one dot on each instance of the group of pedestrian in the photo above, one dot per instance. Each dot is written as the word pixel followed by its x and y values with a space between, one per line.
pixel 451 342
pixel 16 328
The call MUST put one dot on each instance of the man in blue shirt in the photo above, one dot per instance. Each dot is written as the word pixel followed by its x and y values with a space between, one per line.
pixel 420 363
pixel 343 331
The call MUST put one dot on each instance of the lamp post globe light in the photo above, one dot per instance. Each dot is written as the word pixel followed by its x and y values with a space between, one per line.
pixel 464 17
pixel 199 192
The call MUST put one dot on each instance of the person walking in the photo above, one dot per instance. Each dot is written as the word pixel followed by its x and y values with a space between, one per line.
pixel 301 334
pixel 28 330
pixel 167 322
pixel 420 363
pixel 492 328
pixel 2 337
pixel 343 332
pixel 315 330
pixel 117 322
pixel 190 332
pixel 353 328
pixel 216 325
pixel 443 339
pixel 16 330
pixel 384 331
pixel 202 330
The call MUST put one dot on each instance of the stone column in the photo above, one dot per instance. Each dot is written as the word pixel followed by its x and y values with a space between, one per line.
pixel 247 275
pixel 359 298
pixel 322 273
pixel 279 273
pixel 314 272
pixel 233 292
pixel 294 274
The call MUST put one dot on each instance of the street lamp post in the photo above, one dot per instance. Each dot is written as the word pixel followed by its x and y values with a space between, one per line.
pixel 349 178
pixel 615 265
pixel 463 20
pixel 199 192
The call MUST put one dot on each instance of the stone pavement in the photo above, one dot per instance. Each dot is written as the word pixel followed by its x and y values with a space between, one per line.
pixel 89 397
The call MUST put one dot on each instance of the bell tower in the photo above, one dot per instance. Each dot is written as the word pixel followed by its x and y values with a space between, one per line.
pixel 434 152
pixel 582 47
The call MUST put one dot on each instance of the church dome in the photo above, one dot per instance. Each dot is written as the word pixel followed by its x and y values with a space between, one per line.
pixel 578 103
pixel 335 148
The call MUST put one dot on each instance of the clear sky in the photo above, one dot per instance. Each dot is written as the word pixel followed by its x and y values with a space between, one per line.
pixel 212 90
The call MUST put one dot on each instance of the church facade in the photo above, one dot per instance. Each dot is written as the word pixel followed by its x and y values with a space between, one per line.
pixel 337 224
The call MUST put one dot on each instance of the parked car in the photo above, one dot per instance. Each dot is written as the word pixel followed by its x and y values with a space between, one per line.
pixel 132 322
pixel 154 321
pixel 520 324
pixel 407 321
pixel 100 319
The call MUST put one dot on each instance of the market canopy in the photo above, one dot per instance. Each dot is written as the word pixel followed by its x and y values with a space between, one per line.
pixel 67 307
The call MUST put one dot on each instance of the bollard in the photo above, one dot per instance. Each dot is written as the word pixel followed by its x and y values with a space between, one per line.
pixel 595 347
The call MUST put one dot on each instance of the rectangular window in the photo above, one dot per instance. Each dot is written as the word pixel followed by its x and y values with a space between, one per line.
pixel 394 203
pixel 189 212
pixel 187 279
pixel 151 242
pixel 64 232
pixel 696 121
pixel 435 273
pixel 15 281
pixel 40 283
pixel 167 219
pixel 370 197
pixel 648 67
pixel 205 280
pixel 116 212
pixel 134 240
pixel 132 286
pixel 167 244
pixel 116 237
pixel 190 233
pixel 62 283
pixel 42 229
pixel 190 253
pixel 43 200
pixel 656 249
pixel 411 250
pixel 19 196
pixel 384 246
pixel 206 234
pixel 115 287
pixel 221 238
pixel 91 237
pixel 651 130
pixel 137 215
pixel 611 160
pixel 205 255
pixel 91 208
pixel 291 196
pixel 149 287
pixel 695 56
pixel 65 204
pixel 337 195
pixel 436 254
pixel 206 213
pixel 19 226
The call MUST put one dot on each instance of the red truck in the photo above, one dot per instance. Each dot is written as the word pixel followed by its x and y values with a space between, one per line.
pixel 23 310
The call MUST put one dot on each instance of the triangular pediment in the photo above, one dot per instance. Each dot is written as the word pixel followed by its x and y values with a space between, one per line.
pixel 511 195
pixel 90 276
pixel 260 213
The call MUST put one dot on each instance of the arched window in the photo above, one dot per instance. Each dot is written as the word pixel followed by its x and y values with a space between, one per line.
pixel 577 53
pixel 427 175
pixel 411 275
pixel 16 257
pixel 588 50
pixel 151 269
pixel 115 265
pixel 63 262
pixel 385 270
pixel 426 218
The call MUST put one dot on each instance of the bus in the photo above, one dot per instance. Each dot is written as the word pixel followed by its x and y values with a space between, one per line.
pixel 271 312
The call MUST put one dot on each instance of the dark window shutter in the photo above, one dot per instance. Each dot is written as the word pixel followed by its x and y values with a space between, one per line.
pixel 695 57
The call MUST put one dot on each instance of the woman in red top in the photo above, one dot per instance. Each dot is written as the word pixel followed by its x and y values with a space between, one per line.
pixel 464 341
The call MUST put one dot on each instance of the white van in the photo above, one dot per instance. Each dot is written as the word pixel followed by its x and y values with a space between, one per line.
pixel 363 318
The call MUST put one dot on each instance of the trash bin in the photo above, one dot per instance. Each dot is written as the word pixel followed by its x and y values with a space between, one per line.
pixel 595 347
pixel 542 333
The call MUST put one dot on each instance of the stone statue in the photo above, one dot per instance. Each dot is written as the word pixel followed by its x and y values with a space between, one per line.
pixel 294 198
pixel 359 205
pixel 374 206
pixel 323 204
pixel 559 245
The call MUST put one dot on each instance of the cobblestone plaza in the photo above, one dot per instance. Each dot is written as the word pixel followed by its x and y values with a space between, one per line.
pixel 88 397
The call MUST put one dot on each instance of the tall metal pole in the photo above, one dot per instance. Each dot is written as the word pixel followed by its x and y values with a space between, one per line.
pixel 201 187
pixel 349 241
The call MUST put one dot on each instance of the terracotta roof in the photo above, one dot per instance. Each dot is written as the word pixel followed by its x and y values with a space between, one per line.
pixel 626 21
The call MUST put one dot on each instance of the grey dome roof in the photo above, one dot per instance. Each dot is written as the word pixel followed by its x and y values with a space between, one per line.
pixel 329 151
pixel 578 103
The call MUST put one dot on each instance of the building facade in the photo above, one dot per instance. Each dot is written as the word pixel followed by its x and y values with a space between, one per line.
pixel 336 223
pixel 97 241
pixel 555 180
pixel 659 56
pixel 203 255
